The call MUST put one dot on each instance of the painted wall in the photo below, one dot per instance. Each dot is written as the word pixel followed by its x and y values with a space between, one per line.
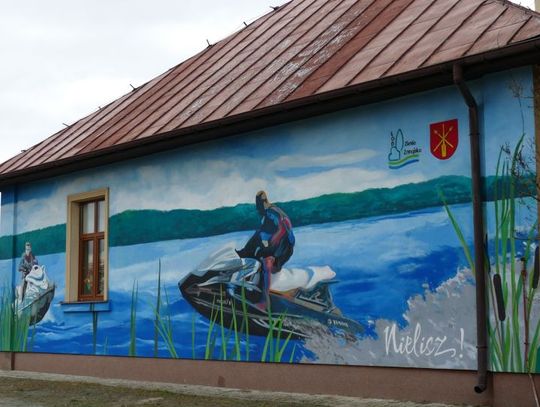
pixel 379 200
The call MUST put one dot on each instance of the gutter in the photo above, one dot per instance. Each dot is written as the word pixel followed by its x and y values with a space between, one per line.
pixel 515 55
pixel 478 221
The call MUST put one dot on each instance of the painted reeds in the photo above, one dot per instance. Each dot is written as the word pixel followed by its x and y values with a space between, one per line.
pixel 163 327
pixel 225 341
pixel 275 345
pixel 511 286
pixel 14 326
pixel 235 336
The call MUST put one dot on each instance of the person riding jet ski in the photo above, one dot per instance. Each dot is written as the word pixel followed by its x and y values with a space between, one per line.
pixel 272 243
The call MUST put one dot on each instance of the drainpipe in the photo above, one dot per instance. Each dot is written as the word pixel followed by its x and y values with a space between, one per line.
pixel 478 219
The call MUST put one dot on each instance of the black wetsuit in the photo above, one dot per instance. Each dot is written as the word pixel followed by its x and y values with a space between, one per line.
pixel 274 238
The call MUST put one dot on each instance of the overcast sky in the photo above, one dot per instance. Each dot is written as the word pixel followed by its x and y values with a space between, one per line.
pixel 61 59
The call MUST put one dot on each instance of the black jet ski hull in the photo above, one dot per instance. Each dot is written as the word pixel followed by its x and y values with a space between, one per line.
pixel 298 321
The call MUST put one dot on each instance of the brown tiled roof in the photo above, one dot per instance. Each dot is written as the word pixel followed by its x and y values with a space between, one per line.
pixel 301 51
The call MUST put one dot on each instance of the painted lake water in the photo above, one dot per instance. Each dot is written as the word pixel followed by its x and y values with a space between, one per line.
pixel 383 265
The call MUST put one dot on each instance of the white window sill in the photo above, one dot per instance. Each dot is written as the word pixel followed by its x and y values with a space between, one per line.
pixel 87 306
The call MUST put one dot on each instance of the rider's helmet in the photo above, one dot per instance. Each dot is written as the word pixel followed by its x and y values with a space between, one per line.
pixel 261 202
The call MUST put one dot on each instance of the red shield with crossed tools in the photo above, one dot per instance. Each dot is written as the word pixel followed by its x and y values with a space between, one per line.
pixel 444 139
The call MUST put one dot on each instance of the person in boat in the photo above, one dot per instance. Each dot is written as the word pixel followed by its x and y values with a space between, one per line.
pixel 28 260
pixel 272 243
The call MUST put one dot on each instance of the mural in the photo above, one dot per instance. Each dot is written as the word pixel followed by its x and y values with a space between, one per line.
pixel 343 239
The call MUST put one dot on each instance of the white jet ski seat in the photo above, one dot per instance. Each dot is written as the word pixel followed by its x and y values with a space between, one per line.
pixel 300 278
pixel 225 259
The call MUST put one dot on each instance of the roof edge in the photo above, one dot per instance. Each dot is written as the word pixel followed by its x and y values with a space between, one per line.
pixel 512 56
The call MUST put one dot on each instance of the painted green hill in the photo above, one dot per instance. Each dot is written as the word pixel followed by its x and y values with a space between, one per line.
pixel 150 225
pixel 144 226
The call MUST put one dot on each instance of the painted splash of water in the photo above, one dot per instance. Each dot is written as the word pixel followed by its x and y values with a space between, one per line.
pixel 440 333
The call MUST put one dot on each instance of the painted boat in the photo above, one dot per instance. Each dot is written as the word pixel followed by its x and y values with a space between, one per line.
pixel 38 295
pixel 225 289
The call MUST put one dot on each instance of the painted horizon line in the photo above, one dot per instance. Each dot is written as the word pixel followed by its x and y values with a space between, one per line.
pixel 139 226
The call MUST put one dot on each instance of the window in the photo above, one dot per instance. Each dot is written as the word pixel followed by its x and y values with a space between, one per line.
pixel 87 247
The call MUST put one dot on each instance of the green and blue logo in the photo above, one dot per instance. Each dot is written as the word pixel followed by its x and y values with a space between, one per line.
pixel 402 152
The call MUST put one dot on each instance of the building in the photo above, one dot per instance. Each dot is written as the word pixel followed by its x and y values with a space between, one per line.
pixel 397 137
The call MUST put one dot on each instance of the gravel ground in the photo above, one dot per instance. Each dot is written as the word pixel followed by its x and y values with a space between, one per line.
pixel 28 389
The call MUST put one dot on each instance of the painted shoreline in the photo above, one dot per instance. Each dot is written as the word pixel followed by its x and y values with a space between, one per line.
pixel 138 226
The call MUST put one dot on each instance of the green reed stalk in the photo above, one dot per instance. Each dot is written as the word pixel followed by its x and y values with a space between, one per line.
pixel 245 320
pixel 165 327
pixel 6 320
pixel 275 345
pixel 158 311
pixel 14 326
pixel 506 336
pixel 269 336
pixel 237 354
pixel 222 325
pixel 133 320
pixel 281 349
pixel 459 234
pixel 209 349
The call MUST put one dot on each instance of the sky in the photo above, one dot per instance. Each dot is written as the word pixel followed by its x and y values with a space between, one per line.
pixel 62 59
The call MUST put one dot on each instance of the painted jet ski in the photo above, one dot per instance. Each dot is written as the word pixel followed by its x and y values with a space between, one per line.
pixel 37 297
pixel 225 284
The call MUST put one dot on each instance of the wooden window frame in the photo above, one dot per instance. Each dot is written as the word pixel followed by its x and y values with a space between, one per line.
pixel 95 237
pixel 74 249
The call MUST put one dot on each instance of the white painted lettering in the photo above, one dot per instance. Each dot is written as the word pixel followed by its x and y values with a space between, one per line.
pixel 419 345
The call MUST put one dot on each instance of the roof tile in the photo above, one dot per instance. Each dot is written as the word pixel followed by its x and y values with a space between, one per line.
pixel 529 30
pixel 467 33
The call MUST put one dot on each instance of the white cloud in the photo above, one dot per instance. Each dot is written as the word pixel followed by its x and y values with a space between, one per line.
pixel 339 180
pixel 200 178
pixel 328 160
pixel 210 189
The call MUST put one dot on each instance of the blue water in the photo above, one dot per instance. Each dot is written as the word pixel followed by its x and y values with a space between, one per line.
pixel 380 263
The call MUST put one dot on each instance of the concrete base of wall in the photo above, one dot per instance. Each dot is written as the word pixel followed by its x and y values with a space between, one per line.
pixel 421 385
